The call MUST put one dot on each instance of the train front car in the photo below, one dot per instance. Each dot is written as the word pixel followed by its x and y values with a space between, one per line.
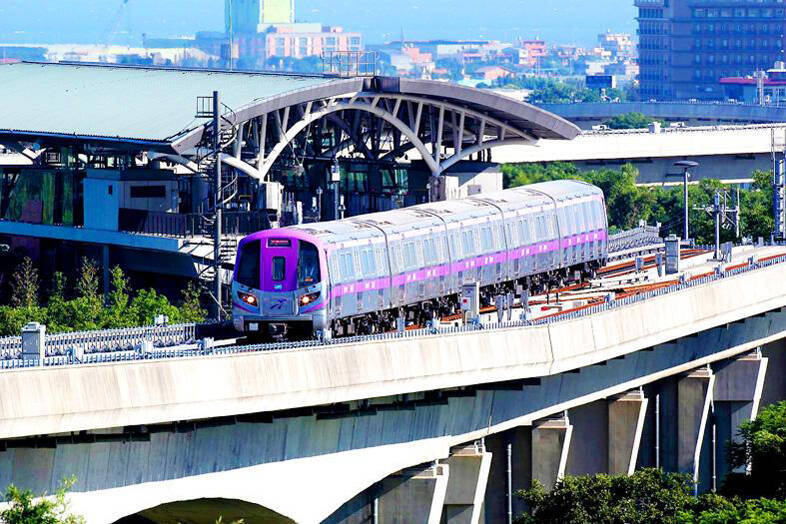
pixel 280 285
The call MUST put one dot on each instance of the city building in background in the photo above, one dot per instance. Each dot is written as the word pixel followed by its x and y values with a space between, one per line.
pixel 261 29
pixel 763 88
pixel 686 46
pixel 620 45
pixel 254 16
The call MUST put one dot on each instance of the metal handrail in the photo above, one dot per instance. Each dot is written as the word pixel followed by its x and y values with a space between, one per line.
pixel 200 350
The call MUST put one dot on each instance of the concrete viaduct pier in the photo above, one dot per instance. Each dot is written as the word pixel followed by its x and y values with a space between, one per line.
pixel 427 428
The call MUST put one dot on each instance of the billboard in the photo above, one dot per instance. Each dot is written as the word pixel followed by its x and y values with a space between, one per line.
pixel 600 82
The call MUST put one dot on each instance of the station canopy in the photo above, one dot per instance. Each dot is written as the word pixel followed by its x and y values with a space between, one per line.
pixel 155 108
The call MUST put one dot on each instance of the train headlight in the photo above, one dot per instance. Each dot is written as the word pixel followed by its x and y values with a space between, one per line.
pixel 251 300
pixel 310 298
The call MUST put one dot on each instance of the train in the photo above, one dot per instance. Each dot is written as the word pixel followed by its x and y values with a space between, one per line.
pixel 363 275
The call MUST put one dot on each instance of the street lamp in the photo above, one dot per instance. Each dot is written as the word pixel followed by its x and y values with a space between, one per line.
pixel 686 166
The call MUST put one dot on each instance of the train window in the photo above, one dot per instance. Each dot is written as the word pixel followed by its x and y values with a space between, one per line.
pixel 248 265
pixel 350 265
pixel 589 216
pixel 364 263
pixel 467 243
pixel 279 269
pixel 564 223
pixel 524 235
pixel 367 263
pixel 417 247
pixel 485 239
pixel 344 269
pixel 499 236
pixel 429 249
pixel 335 269
pixel 454 245
pixel 308 271
pixel 411 255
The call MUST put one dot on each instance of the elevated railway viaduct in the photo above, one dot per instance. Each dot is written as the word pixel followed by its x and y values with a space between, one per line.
pixel 417 427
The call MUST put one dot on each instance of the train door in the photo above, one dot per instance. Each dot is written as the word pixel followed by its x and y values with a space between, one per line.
pixel 279 276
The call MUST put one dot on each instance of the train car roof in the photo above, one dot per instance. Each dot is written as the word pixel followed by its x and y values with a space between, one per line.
pixel 565 189
pixel 338 230
pixel 421 216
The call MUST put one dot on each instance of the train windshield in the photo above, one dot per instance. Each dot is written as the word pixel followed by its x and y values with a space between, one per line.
pixel 307 265
pixel 248 265
pixel 279 269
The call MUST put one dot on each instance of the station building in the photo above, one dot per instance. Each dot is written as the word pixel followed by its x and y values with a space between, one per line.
pixel 121 162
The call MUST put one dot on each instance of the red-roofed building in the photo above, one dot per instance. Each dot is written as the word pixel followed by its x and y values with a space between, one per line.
pixel 769 87
pixel 491 73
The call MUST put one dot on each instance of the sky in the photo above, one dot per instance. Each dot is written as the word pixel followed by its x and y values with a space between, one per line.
pixel 104 21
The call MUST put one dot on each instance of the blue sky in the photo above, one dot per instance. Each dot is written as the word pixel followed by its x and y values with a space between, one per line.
pixel 564 21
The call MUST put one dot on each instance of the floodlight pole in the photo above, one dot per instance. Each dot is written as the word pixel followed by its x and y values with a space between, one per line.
pixel 686 165
pixel 217 202
pixel 685 228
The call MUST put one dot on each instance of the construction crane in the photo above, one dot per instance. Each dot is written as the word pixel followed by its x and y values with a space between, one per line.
pixel 116 20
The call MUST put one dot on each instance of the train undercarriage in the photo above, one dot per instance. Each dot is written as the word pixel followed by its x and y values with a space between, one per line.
pixel 421 313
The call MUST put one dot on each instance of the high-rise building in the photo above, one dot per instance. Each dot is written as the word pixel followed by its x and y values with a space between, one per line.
pixel 687 46
pixel 619 44
pixel 254 16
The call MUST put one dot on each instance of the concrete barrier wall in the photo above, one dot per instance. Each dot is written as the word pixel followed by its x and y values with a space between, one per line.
pixel 46 401
pixel 272 463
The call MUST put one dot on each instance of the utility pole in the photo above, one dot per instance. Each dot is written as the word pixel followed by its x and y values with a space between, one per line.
pixel 778 186
pixel 686 166
pixel 725 216
pixel 217 202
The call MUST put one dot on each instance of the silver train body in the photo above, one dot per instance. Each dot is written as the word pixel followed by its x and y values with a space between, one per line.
pixel 366 271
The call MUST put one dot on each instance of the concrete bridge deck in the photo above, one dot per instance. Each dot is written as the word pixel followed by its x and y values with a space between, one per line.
pixel 730 153
pixel 43 401
pixel 413 428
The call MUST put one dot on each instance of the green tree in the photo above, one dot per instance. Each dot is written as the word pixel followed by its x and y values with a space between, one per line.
pixel 631 121
pixel 24 509
pixel 57 308
pixel 118 313
pixel 628 203
pixel 147 304
pixel 85 311
pixel 13 319
pixel 763 446
pixel 647 496
pixel 87 285
pixel 754 511
pixel 24 285
pixel 191 309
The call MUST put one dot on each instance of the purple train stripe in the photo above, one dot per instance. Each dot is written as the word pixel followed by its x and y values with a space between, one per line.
pixel 472 263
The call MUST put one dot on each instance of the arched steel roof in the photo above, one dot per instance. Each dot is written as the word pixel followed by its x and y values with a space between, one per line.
pixel 153 108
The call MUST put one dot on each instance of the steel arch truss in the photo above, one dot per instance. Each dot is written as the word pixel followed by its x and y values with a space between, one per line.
pixel 375 126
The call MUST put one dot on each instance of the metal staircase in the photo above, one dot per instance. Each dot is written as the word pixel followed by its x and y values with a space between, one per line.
pixel 228 249
pixel 224 119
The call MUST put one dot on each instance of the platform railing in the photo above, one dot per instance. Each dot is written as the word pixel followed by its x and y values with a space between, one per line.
pixel 184 225
pixel 77 344
pixel 632 238
pixel 204 348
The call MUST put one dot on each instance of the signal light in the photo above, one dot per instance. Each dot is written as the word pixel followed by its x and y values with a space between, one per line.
pixel 305 300
pixel 251 300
